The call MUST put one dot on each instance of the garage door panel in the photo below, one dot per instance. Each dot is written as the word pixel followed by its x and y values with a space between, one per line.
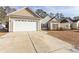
pixel 24 26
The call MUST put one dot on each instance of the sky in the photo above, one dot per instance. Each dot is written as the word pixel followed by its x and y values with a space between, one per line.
pixel 68 11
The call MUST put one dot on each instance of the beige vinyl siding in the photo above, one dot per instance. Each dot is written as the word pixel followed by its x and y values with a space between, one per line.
pixel 57 26
pixel 26 15
pixel 65 26
pixel 77 24
pixel 74 25
pixel 10 25
pixel 23 12
pixel 39 25
pixel 54 24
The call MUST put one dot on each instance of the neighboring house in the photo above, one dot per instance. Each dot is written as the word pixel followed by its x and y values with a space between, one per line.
pixel 54 24
pixel 58 24
pixel 66 24
pixel 75 24
pixel 24 20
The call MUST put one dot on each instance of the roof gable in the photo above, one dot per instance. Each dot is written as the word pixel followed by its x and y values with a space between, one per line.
pixel 55 20
pixel 24 12
pixel 66 20
pixel 45 20
pixel 47 17
pixel 75 20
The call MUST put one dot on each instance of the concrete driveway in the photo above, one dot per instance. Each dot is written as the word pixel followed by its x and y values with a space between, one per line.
pixel 32 42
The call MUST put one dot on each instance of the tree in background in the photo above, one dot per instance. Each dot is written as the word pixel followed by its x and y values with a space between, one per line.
pixel 76 18
pixel 41 13
pixel 9 9
pixel 52 15
pixel 2 14
pixel 59 16
pixel 4 11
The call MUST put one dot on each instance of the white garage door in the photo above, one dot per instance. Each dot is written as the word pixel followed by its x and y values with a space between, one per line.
pixel 24 26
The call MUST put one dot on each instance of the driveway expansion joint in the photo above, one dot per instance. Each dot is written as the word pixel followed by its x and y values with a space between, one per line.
pixel 32 43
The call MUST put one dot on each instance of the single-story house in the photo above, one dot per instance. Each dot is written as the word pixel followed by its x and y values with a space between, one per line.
pixel 24 19
pixel 58 24
pixel 75 24
pixel 54 24
pixel 65 24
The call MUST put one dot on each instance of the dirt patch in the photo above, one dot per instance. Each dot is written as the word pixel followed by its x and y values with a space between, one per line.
pixel 3 33
pixel 71 37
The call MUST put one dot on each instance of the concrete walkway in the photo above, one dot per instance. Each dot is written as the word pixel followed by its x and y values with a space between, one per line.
pixel 32 42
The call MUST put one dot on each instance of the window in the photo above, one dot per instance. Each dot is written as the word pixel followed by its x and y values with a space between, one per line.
pixel 44 25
